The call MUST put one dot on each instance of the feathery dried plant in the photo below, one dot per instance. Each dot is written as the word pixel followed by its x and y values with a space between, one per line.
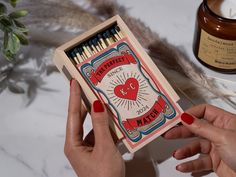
pixel 54 22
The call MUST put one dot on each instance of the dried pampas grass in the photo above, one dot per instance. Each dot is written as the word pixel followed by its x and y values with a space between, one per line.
pixel 57 17
pixel 171 60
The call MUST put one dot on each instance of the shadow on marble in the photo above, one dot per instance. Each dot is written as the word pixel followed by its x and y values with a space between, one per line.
pixel 145 161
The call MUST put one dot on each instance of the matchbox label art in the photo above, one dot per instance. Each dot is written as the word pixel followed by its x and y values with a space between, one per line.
pixel 138 103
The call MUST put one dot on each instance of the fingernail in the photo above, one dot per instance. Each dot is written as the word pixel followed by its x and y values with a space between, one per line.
pixel 180 168
pixel 97 106
pixel 173 154
pixel 177 167
pixel 188 119
pixel 71 81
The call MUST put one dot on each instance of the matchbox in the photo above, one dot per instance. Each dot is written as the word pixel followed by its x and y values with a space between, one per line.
pixel 111 65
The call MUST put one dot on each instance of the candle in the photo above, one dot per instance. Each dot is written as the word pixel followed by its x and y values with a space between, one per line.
pixel 228 9
pixel 215 38
pixel 225 8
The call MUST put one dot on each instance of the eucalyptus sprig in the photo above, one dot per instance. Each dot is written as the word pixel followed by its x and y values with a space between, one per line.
pixel 13 32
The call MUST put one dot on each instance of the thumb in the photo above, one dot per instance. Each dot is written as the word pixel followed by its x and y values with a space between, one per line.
pixel 100 121
pixel 203 128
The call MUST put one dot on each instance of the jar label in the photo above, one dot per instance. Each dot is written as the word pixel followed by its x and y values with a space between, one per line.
pixel 217 52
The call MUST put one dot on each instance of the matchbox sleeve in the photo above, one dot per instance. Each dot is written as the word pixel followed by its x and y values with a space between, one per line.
pixel 141 107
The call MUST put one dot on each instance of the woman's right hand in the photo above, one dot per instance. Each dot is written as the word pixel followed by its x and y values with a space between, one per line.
pixel 216 130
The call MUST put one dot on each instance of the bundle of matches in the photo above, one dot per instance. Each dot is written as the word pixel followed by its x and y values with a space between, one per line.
pixel 111 65
pixel 95 45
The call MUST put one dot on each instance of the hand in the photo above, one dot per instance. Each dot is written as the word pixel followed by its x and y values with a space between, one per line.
pixel 216 142
pixel 96 155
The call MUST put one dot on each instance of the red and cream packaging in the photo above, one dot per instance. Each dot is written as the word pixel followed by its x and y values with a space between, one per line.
pixel 111 65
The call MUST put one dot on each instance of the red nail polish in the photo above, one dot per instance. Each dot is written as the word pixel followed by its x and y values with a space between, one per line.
pixel 71 81
pixel 174 153
pixel 177 167
pixel 97 106
pixel 188 119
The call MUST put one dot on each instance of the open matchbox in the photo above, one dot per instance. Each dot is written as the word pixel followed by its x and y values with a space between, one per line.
pixel 111 65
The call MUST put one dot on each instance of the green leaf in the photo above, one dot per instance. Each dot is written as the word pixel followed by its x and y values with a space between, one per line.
pixel 3 9
pixel 19 24
pixel 21 30
pixel 15 33
pixel 13 3
pixel 5 24
pixel 21 27
pixel 12 47
pixel 22 38
pixel 5 21
pixel 8 55
pixel 18 14
pixel 13 43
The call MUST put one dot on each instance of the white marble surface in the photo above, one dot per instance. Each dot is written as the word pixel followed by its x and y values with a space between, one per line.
pixel 32 138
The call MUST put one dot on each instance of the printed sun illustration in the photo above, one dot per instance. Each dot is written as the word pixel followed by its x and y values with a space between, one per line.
pixel 128 91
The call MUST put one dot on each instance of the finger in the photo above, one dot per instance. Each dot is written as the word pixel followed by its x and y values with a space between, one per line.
pixel 114 136
pixel 201 173
pixel 195 147
pixel 209 112
pixel 203 128
pixel 83 111
pixel 201 164
pixel 178 132
pixel 100 123
pixel 74 128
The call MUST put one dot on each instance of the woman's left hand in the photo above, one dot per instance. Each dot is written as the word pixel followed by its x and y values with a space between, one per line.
pixel 96 155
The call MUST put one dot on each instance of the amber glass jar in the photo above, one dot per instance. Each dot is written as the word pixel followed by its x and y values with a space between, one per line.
pixel 215 35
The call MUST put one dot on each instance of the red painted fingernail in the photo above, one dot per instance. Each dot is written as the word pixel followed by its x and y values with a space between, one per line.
pixel 97 106
pixel 177 167
pixel 187 118
pixel 71 81
pixel 180 168
pixel 174 153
